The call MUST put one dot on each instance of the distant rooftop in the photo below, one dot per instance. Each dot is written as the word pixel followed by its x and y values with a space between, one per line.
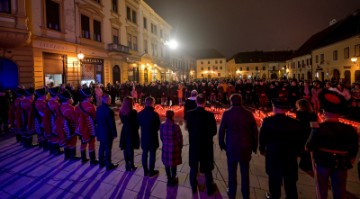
pixel 341 30
pixel 261 56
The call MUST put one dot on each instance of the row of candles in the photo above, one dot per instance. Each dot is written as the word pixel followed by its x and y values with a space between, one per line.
pixel 218 112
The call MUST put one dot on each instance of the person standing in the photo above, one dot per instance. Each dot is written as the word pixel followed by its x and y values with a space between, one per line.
pixel 201 125
pixel 305 115
pixel 38 111
pixel 149 122
pixel 66 124
pixel 279 141
pixel 239 126
pixel 190 103
pixel 129 138
pixel 172 139
pixel 105 132
pixel 334 145
pixel 51 113
pixel 85 125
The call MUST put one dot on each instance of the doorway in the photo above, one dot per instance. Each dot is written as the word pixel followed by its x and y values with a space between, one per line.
pixel 116 74
pixel 9 74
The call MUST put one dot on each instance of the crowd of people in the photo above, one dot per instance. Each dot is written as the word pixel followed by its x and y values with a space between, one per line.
pixel 59 116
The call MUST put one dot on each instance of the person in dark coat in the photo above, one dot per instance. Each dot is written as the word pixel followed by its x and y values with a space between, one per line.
pixel 129 138
pixel 305 115
pixel 280 142
pixel 334 145
pixel 149 122
pixel 239 126
pixel 105 132
pixel 201 125
pixel 190 103
pixel 172 139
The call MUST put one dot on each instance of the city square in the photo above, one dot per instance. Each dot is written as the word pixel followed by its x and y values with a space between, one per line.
pixel 275 79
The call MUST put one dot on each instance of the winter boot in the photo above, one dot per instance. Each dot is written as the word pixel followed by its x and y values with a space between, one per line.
pixel 73 154
pixel 66 153
pixel 83 157
pixel 93 160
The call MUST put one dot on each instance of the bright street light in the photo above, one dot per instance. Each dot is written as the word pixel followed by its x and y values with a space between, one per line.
pixel 172 44
pixel 353 59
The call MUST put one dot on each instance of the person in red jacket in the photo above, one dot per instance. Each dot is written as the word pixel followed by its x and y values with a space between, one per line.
pixel 65 125
pixel 38 110
pixel 48 122
pixel 26 106
pixel 85 127
pixel 18 119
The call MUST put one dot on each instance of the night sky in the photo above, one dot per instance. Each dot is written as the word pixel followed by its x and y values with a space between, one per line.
pixel 232 26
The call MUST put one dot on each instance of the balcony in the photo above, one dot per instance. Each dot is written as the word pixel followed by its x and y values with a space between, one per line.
pixel 119 48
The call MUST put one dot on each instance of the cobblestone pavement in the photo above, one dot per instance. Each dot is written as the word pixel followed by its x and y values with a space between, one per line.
pixel 33 173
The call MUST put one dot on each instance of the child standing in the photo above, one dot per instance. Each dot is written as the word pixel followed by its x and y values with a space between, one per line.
pixel 172 139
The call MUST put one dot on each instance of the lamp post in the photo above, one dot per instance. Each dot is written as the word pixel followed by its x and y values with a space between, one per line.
pixel 354 60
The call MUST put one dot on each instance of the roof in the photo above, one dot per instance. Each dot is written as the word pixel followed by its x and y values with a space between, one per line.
pixel 261 56
pixel 343 29
pixel 207 54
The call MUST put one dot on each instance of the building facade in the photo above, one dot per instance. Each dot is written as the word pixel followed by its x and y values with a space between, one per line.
pixel 81 41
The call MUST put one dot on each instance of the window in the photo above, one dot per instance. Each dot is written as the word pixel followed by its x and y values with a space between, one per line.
pixel 5 6
pixel 115 33
pixel 52 15
pixel 202 75
pixel 303 63
pixel 161 33
pixel 152 28
pixel 202 62
pixel 155 29
pixel 216 68
pixel 357 50
pixel 264 68
pixel 129 41
pixel 247 68
pixel 135 43
pixel 146 49
pixel 85 27
pixel 128 13
pixel 208 62
pixel 134 17
pixel 335 55
pixel 220 61
pixel 202 68
pixel 317 59
pixel 97 30
pixel 240 68
pixel 219 74
pixel 114 6
pixel 216 61
pixel 220 67
pixel 208 68
pixel 256 68
pixel 322 59
pixel 145 23
pixel 97 1
pixel 346 53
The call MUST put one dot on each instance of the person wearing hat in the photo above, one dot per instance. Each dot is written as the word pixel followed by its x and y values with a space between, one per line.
pixel 65 125
pixel 37 114
pixel 26 107
pixel 18 119
pixel 334 146
pixel 85 126
pixel 280 143
pixel 48 122
pixel 201 125
pixel 172 139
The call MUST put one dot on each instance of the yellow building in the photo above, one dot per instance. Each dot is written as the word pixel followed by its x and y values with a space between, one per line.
pixel 210 64
pixel 331 54
pixel 259 65
pixel 44 41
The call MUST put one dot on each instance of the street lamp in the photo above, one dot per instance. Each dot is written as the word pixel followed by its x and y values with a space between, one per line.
pixel 172 44
pixel 354 60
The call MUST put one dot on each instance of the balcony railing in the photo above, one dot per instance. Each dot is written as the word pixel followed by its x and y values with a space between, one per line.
pixel 119 48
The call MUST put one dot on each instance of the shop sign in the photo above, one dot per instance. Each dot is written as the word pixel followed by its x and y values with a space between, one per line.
pixel 92 61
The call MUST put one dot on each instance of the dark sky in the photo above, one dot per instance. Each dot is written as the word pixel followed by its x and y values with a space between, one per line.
pixel 231 26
